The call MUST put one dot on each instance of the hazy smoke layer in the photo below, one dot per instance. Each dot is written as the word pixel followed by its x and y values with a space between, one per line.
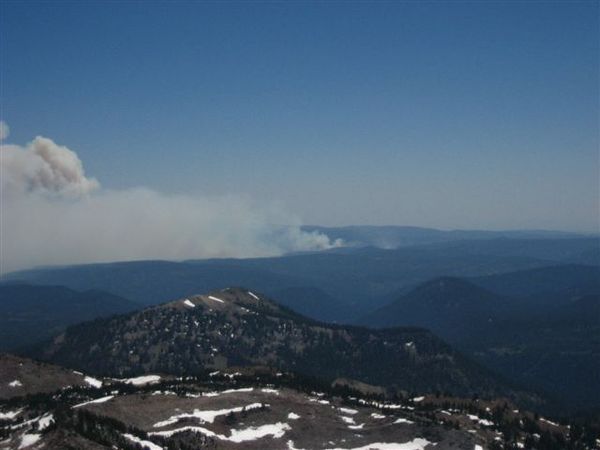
pixel 53 214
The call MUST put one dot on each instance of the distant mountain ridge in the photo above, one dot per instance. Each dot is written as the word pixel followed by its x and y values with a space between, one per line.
pixel 31 313
pixel 359 278
pixel 395 236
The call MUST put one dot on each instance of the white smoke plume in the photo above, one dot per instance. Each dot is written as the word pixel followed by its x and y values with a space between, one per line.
pixel 52 213
pixel 44 167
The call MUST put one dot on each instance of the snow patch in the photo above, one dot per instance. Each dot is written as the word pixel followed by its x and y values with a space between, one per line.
pixel 140 381
pixel 227 391
pixel 276 430
pixel 484 422
pixel 415 444
pixel 293 416
pixel 45 421
pixel 15 383
pixel 348 410
pixel 403 420
pixel 554 424
pixel 253 295
pixel 97 400
pixel 207 416
pixel 9 415
pixel 216 299
pixel 187 302
pixel 93 382
pixel 145 444
pixel 29 439
pixel 270 391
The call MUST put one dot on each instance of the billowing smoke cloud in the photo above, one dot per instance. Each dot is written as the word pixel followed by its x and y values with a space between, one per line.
pixel 52 213
pixel 44 167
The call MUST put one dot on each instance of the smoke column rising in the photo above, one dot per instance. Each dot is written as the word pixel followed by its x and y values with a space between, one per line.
pixel 52 213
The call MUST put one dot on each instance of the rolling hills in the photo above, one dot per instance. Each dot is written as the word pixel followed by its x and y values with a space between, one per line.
pixel 361 279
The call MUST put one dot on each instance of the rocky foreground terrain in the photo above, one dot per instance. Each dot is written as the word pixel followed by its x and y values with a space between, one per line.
pixel 253 408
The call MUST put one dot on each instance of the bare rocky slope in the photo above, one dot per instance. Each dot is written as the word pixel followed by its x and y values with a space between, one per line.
pixel 258 408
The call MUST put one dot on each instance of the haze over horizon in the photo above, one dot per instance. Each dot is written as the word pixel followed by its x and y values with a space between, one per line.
pixel 193 130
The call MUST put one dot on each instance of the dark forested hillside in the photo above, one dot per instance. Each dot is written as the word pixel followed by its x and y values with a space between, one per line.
pixel 234 327
pixel 549 339
pixel 450 307
pixel 557 280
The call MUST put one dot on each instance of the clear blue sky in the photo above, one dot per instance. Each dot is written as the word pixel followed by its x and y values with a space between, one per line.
pixel 453 114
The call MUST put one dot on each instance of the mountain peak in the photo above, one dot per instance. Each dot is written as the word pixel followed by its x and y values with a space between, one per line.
pixel 443 305
pixel 231 300
pixel 237 327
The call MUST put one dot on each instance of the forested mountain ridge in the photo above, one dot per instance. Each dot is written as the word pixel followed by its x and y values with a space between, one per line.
pixel 236 327
pixel 547 340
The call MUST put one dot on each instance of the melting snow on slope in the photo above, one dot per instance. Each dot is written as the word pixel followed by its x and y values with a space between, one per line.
pixel 348 410
pixel 293 416
pixel 93 382
pixel 45 421
pixel 403 420
pixel 276 430
pixel 10 414
pixel 216 299
pixel 554 424
pixel 97 400
pixel 415 444
pixel 231 391
pixel 187 302
pixel 227 391
pixel 253 295
pixel 270 391
pixel 206 416
pixel 15 383
pixel 144 379
pixel 145 444
pixel 483 422
pixel 29 439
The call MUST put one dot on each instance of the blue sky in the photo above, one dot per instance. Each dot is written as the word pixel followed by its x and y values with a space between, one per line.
pixel 450 115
